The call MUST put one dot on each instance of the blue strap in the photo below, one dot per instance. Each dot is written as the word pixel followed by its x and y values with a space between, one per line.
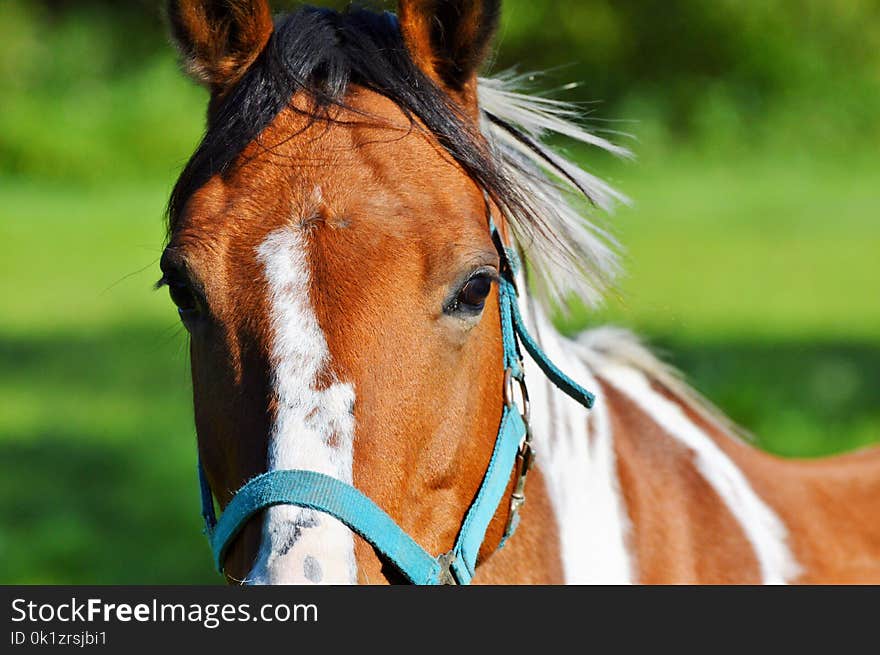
pixel 325 494
pixel 510 314
pixel 342 501
pixel 208 514
pixel 557 377
pixel 489 497
pixel 506 305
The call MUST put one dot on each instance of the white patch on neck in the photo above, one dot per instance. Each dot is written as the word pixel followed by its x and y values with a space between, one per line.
pixel 579 467
pixel 763 528
pixel 314 429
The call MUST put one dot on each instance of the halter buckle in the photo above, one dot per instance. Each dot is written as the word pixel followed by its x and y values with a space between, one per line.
pixel 523 405
pixel 446 577
pixel 525 456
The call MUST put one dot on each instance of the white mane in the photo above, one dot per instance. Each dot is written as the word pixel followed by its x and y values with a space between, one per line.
pixel 569 254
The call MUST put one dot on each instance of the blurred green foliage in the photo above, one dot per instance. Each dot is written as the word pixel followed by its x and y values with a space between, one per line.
pixel 798 73
pixel 92 94
pixel 90 90
pixel 752 250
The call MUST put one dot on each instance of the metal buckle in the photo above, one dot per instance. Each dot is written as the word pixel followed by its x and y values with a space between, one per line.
pixel 524 406
pixel 446 577
pixel 525 456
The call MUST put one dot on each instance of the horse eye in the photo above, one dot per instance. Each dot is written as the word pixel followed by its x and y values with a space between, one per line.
pixel 473 295
pixel 186 301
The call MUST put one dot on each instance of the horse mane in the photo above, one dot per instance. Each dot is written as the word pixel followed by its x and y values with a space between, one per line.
pixel 322 52
pixel 606 346
pixel 572 256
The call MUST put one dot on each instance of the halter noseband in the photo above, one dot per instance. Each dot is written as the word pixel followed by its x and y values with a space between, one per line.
pixel 513 447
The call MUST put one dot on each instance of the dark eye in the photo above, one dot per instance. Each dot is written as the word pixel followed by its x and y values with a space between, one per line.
pixel 185 299
pixel 189 304
pixel 473 295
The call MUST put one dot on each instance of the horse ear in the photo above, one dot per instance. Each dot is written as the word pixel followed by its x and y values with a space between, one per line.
pixel 449 39
pixel 219 39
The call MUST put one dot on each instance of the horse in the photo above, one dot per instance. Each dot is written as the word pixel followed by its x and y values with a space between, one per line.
pixel 340 250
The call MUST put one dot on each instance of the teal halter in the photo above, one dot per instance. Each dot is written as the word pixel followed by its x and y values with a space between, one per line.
pixel 513 447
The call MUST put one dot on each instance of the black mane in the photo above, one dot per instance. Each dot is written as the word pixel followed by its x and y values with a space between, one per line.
pixel 322 52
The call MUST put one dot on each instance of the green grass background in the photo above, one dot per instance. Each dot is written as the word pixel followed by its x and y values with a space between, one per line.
pixel 753 266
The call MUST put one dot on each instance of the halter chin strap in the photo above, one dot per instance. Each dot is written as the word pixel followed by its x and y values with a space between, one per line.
pixel 513 448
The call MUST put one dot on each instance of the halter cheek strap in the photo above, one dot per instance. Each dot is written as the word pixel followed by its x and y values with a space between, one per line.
pixel 325 494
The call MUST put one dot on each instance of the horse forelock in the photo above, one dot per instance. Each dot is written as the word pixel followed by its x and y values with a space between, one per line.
pixel 323 54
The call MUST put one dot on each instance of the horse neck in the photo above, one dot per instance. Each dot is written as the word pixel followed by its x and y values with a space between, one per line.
pixel 576 464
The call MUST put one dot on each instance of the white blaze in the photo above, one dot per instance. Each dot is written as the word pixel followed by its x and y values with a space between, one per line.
pixel 313 430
